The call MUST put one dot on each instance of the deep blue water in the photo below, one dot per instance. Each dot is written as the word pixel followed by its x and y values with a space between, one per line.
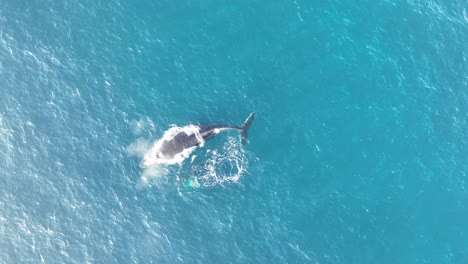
pixel 358 153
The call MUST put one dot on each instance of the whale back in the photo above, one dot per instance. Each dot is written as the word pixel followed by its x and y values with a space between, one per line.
pixel 177 144
pixel 182 140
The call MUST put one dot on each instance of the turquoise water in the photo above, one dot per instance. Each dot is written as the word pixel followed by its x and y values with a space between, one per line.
pixel 358 153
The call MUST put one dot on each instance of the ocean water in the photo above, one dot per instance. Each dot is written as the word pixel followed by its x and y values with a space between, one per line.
pixel 358 153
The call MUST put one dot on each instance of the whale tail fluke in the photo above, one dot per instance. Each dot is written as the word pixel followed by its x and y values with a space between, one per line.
pixel 245 127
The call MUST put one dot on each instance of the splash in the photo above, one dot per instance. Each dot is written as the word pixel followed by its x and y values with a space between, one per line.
pixel 152 176
pixel 138 148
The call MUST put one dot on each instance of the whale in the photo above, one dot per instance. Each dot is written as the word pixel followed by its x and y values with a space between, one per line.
pixel 188 137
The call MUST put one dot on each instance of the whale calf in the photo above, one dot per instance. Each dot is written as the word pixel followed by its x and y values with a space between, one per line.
pixel 175 144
